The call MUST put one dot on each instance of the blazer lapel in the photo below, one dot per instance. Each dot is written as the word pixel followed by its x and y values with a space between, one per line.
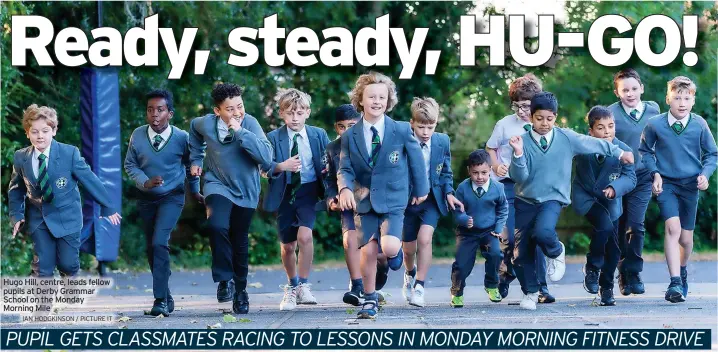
pixel 283 143
pixel 389 131
pixel 314 146
pixel 27 166
pixel 54 161
pixel 358 134
pixel 435 158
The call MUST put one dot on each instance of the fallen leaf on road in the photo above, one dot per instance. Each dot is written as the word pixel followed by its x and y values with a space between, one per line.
pixel 130 287
pixel 160 316
pixel 215 326
pixel 594 303
pixel 124 319
pixel 194 284
pixel 255 284
pixel 350 311
pixel 146 312
pixel 244 320
pixel 123 327
pixel 225 310
pixel 117 287
pixel 666 326
pixel 228 318
pixel 148 290
pixel 571 305
pixel 193 322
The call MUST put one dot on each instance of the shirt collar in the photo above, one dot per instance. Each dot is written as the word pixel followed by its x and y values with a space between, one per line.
pixel 485 186
pixel 36 153
pixel 672 119
pixel 537 137
pixel 638 107
pixel 302 133
pixel 221 124
pixel 379 125
pixel 165 134
pixel 428 143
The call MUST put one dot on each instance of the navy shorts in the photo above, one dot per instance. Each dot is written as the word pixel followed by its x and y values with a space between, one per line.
pixel 679 198
pixel 426 213
pixel 347 221
pixel 300 213
pixel 372 225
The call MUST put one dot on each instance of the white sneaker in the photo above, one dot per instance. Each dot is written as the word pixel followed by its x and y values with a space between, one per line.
pixel 289 301
pixel 417 299
pixel 555 268
pixel 304 295
pixel 529 301
pixel 406 289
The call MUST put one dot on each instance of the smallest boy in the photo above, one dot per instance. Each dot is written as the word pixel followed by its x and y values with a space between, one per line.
pixel 345 117
pixel 44 199
pixel 598 188
pixel 486 211
pixel 678 149
pixel 295 186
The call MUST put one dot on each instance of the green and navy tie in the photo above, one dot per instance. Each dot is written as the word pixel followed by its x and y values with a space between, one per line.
pixel 544 143
pixel 296 176
pixel 45 187
pixel 600 158
pixel 479 192
pixel 229 136
pixel 158 141
pixel 527 127
pixel 677 126
pixel 634 114
pixel 375 146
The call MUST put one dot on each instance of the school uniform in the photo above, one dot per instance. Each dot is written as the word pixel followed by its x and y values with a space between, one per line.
pixel 488 207
pixel 436 155
pixel 594 173
pixel 330 183
pixel 679 155
pixel 44 192
pixel 166 154
pixel 543 186
pixel 630 123
pixel 510 126
pixel 294 195
pixel 231 188
pixel 375 162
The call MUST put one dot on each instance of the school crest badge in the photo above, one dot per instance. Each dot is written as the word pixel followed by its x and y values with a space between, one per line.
pixel 61 183
pixel 614 176
pixel 325 161
pixel 394 157
pixel 439 168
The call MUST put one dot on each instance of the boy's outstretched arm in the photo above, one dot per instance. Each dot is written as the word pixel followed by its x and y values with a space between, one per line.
pixel 92 185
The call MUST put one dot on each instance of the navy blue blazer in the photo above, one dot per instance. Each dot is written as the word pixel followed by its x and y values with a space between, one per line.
pixel 330 176
pixel 66 169
pixel 385 187
pixel 441 178
pixel 279 139
pixel 592 178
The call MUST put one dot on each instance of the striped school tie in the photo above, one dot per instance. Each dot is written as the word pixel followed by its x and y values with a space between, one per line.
pixel 600 158
pixel 158 141
pixel 634 114
pixel 677 126
pixel 479 192
pixel 296 181
pixel 375 146
pixel 229 136
pixel 45 187
pixel 527 127
pixel 544 143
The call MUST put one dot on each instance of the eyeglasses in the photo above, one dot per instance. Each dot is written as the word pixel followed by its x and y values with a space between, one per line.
pixel 524 107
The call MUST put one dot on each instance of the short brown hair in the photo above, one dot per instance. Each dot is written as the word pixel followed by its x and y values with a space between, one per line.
pixel 524 87
pixel 34 113
pixel 625 74
pixel 373 78
pixel 290 99
pixel 681 83
pixel 425 110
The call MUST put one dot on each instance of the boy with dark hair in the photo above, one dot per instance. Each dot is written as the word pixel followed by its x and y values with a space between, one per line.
pixel 479 226
pixel 599 184
pixel 235 147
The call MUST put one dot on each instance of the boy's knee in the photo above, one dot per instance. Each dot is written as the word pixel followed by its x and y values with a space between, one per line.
pixel 304 239
pixel 673 228
pixel 289 247
pixel 686 240
pixel 424 242
pixel 544 232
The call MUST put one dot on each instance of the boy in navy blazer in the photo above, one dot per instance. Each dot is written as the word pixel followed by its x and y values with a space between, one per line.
pixel 44 199
pixel 420 220
pixel 295 185
pixel 598 188
pixel 377 155
pixel 345 117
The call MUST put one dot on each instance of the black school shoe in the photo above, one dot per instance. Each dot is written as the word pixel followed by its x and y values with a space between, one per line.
pixel 545 297
pixel 170 303
pixel 637 287
pixel 607 297
pixel 684 281
pixel 623 285
pixel 382 275
pixel 160 308
pixel 674 293
pixel 240 304
pixel 225 291
pixel 590 280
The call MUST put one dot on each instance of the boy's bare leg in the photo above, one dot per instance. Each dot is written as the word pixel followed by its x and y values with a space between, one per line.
pixel 368 265
pixel 289 258
pixel 409 249
pixel 686 245
pixel 424 254
pixel 671 246
pixel 306 251
pixel 352 254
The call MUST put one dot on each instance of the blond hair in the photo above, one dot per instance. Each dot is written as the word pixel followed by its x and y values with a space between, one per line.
pixel 681 83
pixel 291 99
pixel 373 78
pixel 425 110
pixel 34 113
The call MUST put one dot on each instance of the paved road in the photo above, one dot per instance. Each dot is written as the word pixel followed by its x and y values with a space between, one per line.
pixel 197 306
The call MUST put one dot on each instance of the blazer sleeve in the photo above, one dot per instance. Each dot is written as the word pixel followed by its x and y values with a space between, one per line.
pixel 91 183
pixel 447 175
pixel 345 176
pixel 627 181
pixel 17 192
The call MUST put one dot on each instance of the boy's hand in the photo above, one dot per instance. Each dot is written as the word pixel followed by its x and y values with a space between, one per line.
pixel 235 124
pixel 702 183
pixel 609 192
pixel 657 184
pixel 293 164
pixel 627 158
pixel 114 219
pixel 517 143
pixel 418 200
pixel 334 205
pixel 16 228
pixel 470 224
pixel 154 182
pixel 497 235
pixel 454 203
pixel 195 170
pixel 198 197
pixel 346 200
pixel 501 170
